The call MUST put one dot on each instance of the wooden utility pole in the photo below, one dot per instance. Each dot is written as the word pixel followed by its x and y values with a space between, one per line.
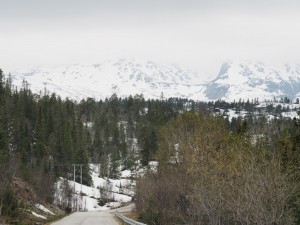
pixel 74 165
pixel 81 178
pixel 74 177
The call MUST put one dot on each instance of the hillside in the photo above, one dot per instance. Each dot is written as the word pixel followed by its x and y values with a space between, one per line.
pixel 100 81
pixel 254 80
pixel 235 80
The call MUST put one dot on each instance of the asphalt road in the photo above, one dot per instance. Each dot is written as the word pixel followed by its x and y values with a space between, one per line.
pixel 90 218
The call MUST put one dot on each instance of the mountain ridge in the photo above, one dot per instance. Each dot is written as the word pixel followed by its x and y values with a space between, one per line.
pixel 235 80
pixel 254 80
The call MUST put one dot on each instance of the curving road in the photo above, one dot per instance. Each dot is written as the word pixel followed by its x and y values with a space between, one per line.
pixel 90 218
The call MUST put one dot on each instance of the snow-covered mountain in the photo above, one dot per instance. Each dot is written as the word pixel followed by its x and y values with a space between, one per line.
pixel 123 77
pixel 254 80
pixel 129 77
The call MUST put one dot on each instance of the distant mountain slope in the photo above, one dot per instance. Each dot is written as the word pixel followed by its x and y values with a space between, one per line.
pixel 254 80
pixel 123 77
pixel 129 77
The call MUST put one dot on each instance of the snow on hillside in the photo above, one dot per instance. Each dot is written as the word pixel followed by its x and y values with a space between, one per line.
pixel 235 80
pixel 38 215
pixel 246 80
pixel 100 81
pixel 44 209
pixel 86 198
pixel 261 110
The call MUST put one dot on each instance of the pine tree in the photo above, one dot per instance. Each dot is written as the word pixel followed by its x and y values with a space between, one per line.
pixel 3 121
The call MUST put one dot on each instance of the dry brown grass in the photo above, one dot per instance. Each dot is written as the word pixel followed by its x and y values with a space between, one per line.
pixel 132 215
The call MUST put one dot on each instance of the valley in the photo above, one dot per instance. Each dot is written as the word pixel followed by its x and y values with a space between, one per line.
pixel 96 155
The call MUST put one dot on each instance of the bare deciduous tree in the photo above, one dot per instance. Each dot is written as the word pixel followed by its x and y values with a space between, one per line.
pixel 207 175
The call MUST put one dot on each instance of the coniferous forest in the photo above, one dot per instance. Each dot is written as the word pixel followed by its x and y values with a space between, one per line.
pixel 211 170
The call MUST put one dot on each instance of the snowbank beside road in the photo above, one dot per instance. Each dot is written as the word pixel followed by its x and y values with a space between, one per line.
pixel 84 198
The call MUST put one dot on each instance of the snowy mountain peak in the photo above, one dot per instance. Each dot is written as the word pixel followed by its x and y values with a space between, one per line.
pixel 123 77
pixel 235 80
pixel 254 80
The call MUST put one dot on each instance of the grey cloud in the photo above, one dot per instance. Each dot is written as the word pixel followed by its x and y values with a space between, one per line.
pixel 193 31
pixel 78 8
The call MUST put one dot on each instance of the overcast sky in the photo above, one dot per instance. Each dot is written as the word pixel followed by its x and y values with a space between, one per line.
pixel 197 34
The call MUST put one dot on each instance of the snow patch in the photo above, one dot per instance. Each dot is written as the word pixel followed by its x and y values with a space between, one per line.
pixel 38 215
pixel 44 209
pixel 85 198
